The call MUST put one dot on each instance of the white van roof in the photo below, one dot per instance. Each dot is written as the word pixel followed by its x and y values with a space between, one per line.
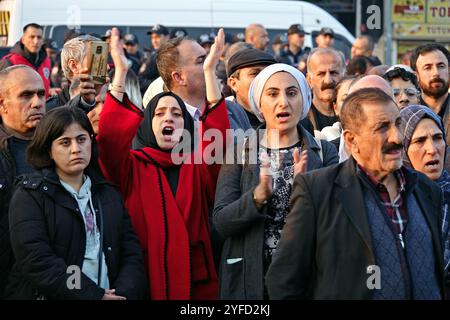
pixel 278 15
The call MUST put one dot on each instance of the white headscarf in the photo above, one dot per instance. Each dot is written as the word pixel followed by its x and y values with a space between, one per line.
pixel 257 86
pixel 402 66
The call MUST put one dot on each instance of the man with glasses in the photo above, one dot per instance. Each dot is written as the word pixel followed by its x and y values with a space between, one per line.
pixel 404 85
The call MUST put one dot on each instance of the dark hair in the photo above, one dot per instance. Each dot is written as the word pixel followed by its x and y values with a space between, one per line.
pixel 51 127
pixel 402 73
pixel 429 47
pixel 167 59
pixel 70 34
pixel 352 113
pixel 358 65
pixel 32 25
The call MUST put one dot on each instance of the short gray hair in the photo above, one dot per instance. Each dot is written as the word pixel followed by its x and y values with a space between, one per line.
pixel 74 49
pixel 315 51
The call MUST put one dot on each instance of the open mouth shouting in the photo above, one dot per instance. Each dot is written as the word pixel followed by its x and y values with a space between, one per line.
pixel 432 165
pixel 168 132
pixel 283 116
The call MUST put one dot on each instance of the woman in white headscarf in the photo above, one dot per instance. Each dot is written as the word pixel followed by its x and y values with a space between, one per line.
pixel 252 198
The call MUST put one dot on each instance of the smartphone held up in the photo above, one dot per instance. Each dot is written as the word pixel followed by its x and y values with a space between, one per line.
pixel 97 60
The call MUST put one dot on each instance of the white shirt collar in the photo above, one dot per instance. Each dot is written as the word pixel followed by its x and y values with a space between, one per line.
pixel 193 111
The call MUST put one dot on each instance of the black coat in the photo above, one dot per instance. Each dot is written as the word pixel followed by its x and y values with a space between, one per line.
pixel 326 244
pixel 48 235
pixel 7 176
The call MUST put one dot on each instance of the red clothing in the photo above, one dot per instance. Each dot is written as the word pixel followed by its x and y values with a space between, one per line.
pixel 173 231
pixel 43 69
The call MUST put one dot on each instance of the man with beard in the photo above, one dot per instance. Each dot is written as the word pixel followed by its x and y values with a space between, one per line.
pixel 325 70
pixel 22 105
pixel 432 65
pixel 366 228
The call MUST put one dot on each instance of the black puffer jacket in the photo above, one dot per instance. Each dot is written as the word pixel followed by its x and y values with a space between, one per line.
pixel 7 175
pixel 48 235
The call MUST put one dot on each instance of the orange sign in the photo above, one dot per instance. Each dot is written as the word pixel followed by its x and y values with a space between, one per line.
pixel 419 30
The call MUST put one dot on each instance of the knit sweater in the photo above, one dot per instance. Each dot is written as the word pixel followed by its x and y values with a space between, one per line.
pixel 407 273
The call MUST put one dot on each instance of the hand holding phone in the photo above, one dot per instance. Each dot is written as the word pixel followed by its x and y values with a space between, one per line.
pixel 97 59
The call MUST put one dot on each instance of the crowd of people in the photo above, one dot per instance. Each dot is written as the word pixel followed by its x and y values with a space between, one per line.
pixel 216 168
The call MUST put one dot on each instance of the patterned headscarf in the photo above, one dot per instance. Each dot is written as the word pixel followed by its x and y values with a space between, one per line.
pixel 411 116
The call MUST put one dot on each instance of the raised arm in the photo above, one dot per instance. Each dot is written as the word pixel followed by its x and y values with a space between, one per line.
pixel 213 93
pixel 214 121
pixel 120 66
pixel 118 125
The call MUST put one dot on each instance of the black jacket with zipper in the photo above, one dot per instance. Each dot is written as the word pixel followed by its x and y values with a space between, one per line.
pixel 48 235
pixel 7 176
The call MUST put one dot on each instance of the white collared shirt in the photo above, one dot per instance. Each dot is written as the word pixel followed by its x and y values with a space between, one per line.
pixel 193 111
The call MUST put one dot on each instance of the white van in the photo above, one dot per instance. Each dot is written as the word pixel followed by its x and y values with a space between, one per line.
pixel 196 16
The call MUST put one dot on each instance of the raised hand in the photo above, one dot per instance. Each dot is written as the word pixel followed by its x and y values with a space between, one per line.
pixel 88 90
pixel 216 51
pixel 300 161
pixel 120 65
pixel 117 52
pixel 263 190
pixel 213 93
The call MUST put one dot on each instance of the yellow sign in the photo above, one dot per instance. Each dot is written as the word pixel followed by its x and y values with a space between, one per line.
pixel 418 30
pixel 408 11
pixel 4 23
pixel 438 11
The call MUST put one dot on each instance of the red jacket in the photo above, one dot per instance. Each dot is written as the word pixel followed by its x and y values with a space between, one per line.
pixel 173 231
pixel 44 66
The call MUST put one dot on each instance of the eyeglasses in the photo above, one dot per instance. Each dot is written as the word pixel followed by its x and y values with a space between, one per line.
pixel 410 92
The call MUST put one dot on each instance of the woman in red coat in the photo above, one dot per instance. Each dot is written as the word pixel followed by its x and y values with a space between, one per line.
pixel 168 202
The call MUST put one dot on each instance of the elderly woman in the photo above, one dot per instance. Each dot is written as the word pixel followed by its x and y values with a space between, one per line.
pixel 252 204
pixel 425 151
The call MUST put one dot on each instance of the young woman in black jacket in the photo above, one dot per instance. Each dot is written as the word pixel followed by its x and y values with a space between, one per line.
pixel 70 232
